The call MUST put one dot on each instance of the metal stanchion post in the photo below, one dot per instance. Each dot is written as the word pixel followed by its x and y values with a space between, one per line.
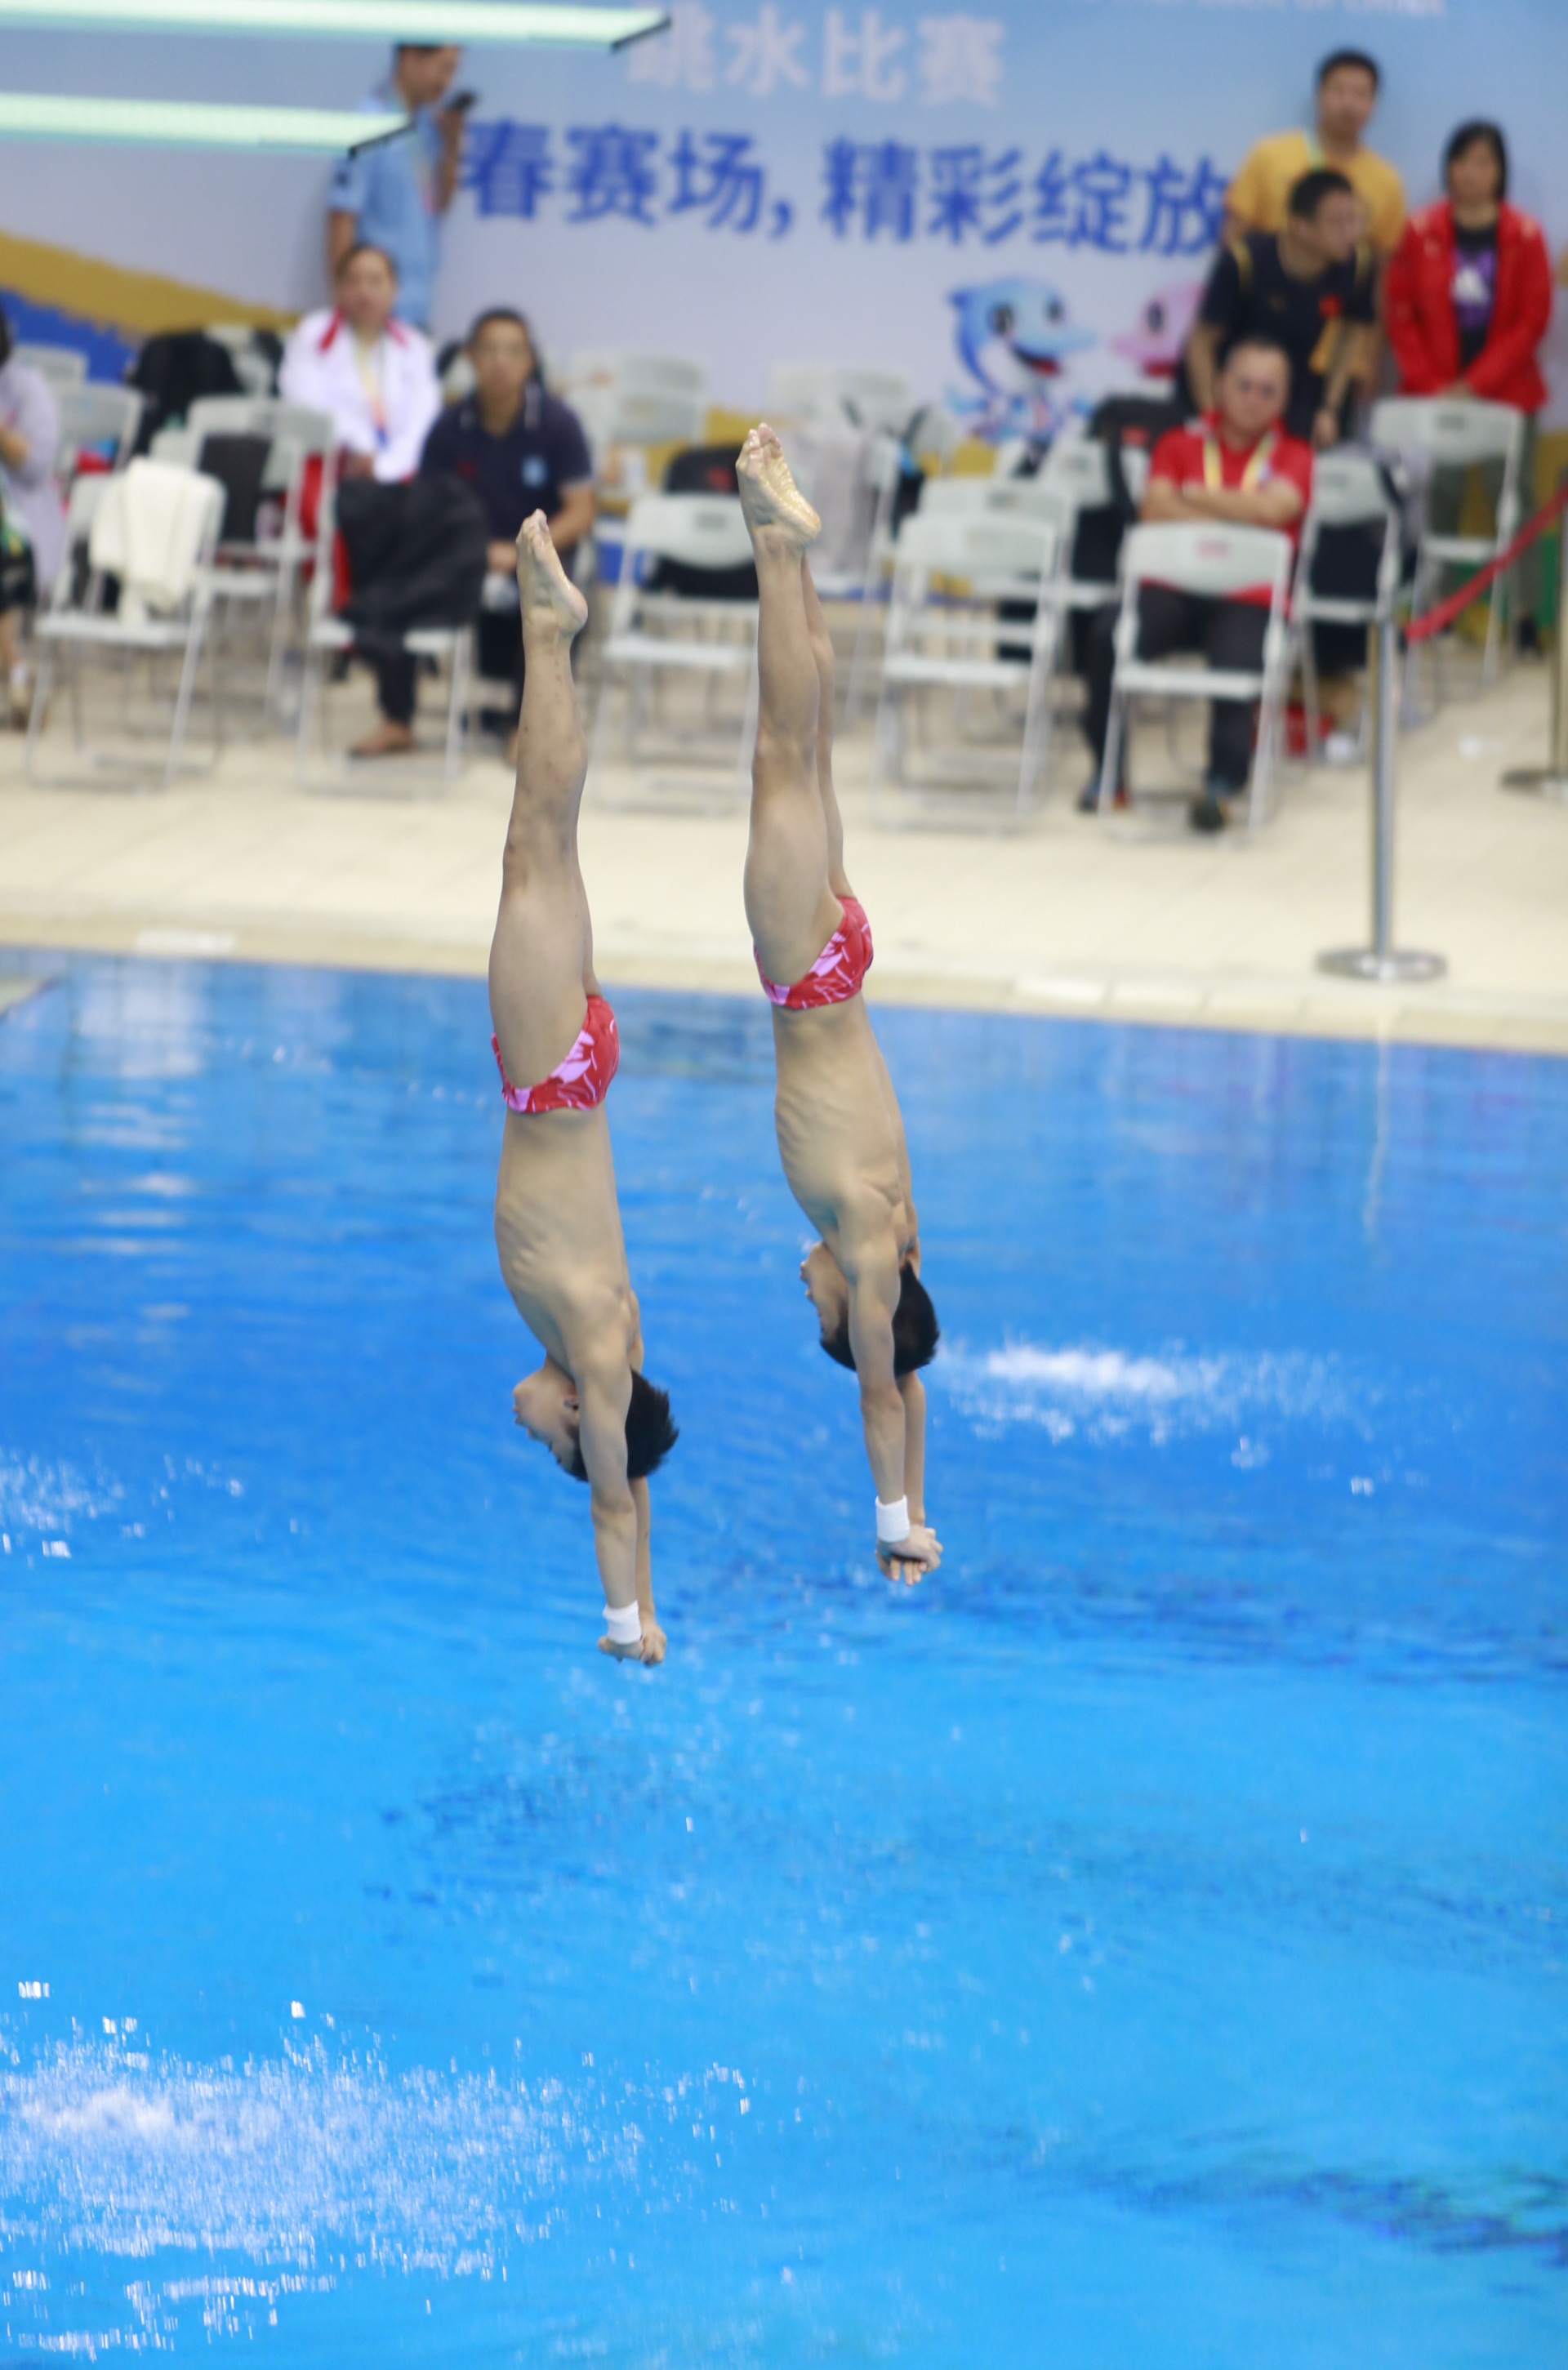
pixel 1382 959
pixel 1550 780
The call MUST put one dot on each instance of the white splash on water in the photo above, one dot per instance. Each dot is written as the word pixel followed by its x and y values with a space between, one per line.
pixel 1104 1394
pixel 292 2175
pixel 38 1496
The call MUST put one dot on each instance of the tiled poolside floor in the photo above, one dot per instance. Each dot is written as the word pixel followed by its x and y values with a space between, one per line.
pixel 1063 915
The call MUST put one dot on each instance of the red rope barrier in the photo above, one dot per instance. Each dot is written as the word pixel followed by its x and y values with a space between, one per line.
pixel 1444 612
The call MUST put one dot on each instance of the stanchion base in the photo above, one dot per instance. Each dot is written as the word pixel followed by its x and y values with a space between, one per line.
pixel 1539 778
pixel 1363 962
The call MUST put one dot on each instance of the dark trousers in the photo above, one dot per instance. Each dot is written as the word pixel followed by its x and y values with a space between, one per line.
pixel 501 654
pixel 1231 636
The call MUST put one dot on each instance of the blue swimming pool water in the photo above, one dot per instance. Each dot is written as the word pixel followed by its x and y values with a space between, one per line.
pixel 1143 1946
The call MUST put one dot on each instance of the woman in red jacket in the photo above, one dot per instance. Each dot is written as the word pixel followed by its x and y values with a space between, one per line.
pixel 1467 303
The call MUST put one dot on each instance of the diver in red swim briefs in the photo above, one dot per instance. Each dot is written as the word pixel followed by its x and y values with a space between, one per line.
pixel 840 1134
pixel 556 1220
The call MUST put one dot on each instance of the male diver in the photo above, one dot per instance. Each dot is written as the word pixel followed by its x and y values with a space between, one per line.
pixel 556 1220
pixel 841 1135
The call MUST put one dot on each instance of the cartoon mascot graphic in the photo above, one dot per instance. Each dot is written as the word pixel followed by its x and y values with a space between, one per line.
pixel 1013 337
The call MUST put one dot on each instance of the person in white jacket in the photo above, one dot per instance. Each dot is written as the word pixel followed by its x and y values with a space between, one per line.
pixel 374 375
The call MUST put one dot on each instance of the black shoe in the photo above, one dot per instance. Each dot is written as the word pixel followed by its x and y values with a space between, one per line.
pixel 1527 636
pixel 1206 813
pixel 1089 796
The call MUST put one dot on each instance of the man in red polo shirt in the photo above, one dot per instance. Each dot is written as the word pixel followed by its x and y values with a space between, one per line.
pixel 1234 463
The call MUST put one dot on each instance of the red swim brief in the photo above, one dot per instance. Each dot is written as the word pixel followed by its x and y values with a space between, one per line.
pixel 581 1078
pixel 837 971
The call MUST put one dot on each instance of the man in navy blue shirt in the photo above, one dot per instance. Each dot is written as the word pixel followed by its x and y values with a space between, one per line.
pixel 521 450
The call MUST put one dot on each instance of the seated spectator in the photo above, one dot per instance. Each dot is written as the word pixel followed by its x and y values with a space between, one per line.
pixel 1309 288
pixel 1259 198
pixel 1468 302
pixel 374 375
pixel 521 450
pixel 1236 463
pixel 32 516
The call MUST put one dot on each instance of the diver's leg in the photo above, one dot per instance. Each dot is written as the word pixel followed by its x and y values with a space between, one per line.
pixel 541 945
pixel 822 650
pixel 791 907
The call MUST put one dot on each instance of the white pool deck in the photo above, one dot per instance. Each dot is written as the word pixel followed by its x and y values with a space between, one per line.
pixel 1065 916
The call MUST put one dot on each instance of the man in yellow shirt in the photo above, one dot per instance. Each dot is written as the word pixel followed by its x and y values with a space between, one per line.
pixel 1348 93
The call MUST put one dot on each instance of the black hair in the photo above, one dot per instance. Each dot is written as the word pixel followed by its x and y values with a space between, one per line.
pixel 518 320
pixel 1466 136
pixel 500 313
pixel 915 1331
pixel 1257 341
pixel 351 254
pixel 649 1432
pixel 1307 194
pixel 4 338
pixel 1357 58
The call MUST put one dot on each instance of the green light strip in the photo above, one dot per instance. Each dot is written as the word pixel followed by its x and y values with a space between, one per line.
pixel 178 123
pixel 460 21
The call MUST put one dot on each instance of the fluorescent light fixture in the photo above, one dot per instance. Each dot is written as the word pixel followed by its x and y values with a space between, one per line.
pixel 458 21
pixel 180 123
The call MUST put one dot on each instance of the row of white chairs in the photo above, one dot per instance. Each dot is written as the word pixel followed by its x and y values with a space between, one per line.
pixel 978 548
pixel 624 397
pixel 975 547
pixel 263 575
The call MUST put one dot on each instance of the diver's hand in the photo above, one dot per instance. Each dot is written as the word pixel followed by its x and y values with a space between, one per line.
pixel 912 1557
pixel 649 1648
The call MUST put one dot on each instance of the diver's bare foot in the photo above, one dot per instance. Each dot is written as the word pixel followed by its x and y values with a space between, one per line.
pixel 388 740
pixel 774 505
pixel 543 584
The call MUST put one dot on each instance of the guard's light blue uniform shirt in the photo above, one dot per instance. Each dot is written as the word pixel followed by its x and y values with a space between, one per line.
pixel 391 192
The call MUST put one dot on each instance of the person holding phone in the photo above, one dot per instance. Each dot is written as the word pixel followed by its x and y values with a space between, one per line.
pixel 393 196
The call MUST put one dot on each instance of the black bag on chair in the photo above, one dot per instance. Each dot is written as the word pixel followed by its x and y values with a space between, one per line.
pixel 172 370
pixel 417 556
pixel 703 470
pixel 239 463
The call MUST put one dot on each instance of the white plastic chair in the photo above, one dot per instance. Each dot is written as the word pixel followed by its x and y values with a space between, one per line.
pixel 265 573
pixel 1215 562
pixel 75 621
pixel 1055 498
pixel 1439 435
pixel 61 366
pixel 928 436
pixel 253 368
pixel 861 394
pixel 328 637
pixel 1348 491
pixel 651 629
pixel 951 567
pixel 94 415
pixel 635 398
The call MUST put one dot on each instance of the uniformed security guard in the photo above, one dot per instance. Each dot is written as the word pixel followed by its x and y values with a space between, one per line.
pixel 393 195
pixel 521 450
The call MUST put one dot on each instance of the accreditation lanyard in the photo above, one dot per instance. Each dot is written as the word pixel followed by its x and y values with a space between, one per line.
pixel 1252 475
pixel 369 362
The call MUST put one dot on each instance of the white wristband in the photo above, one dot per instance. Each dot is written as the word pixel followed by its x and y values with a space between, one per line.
pixel 893 1523
pixel 623 1623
